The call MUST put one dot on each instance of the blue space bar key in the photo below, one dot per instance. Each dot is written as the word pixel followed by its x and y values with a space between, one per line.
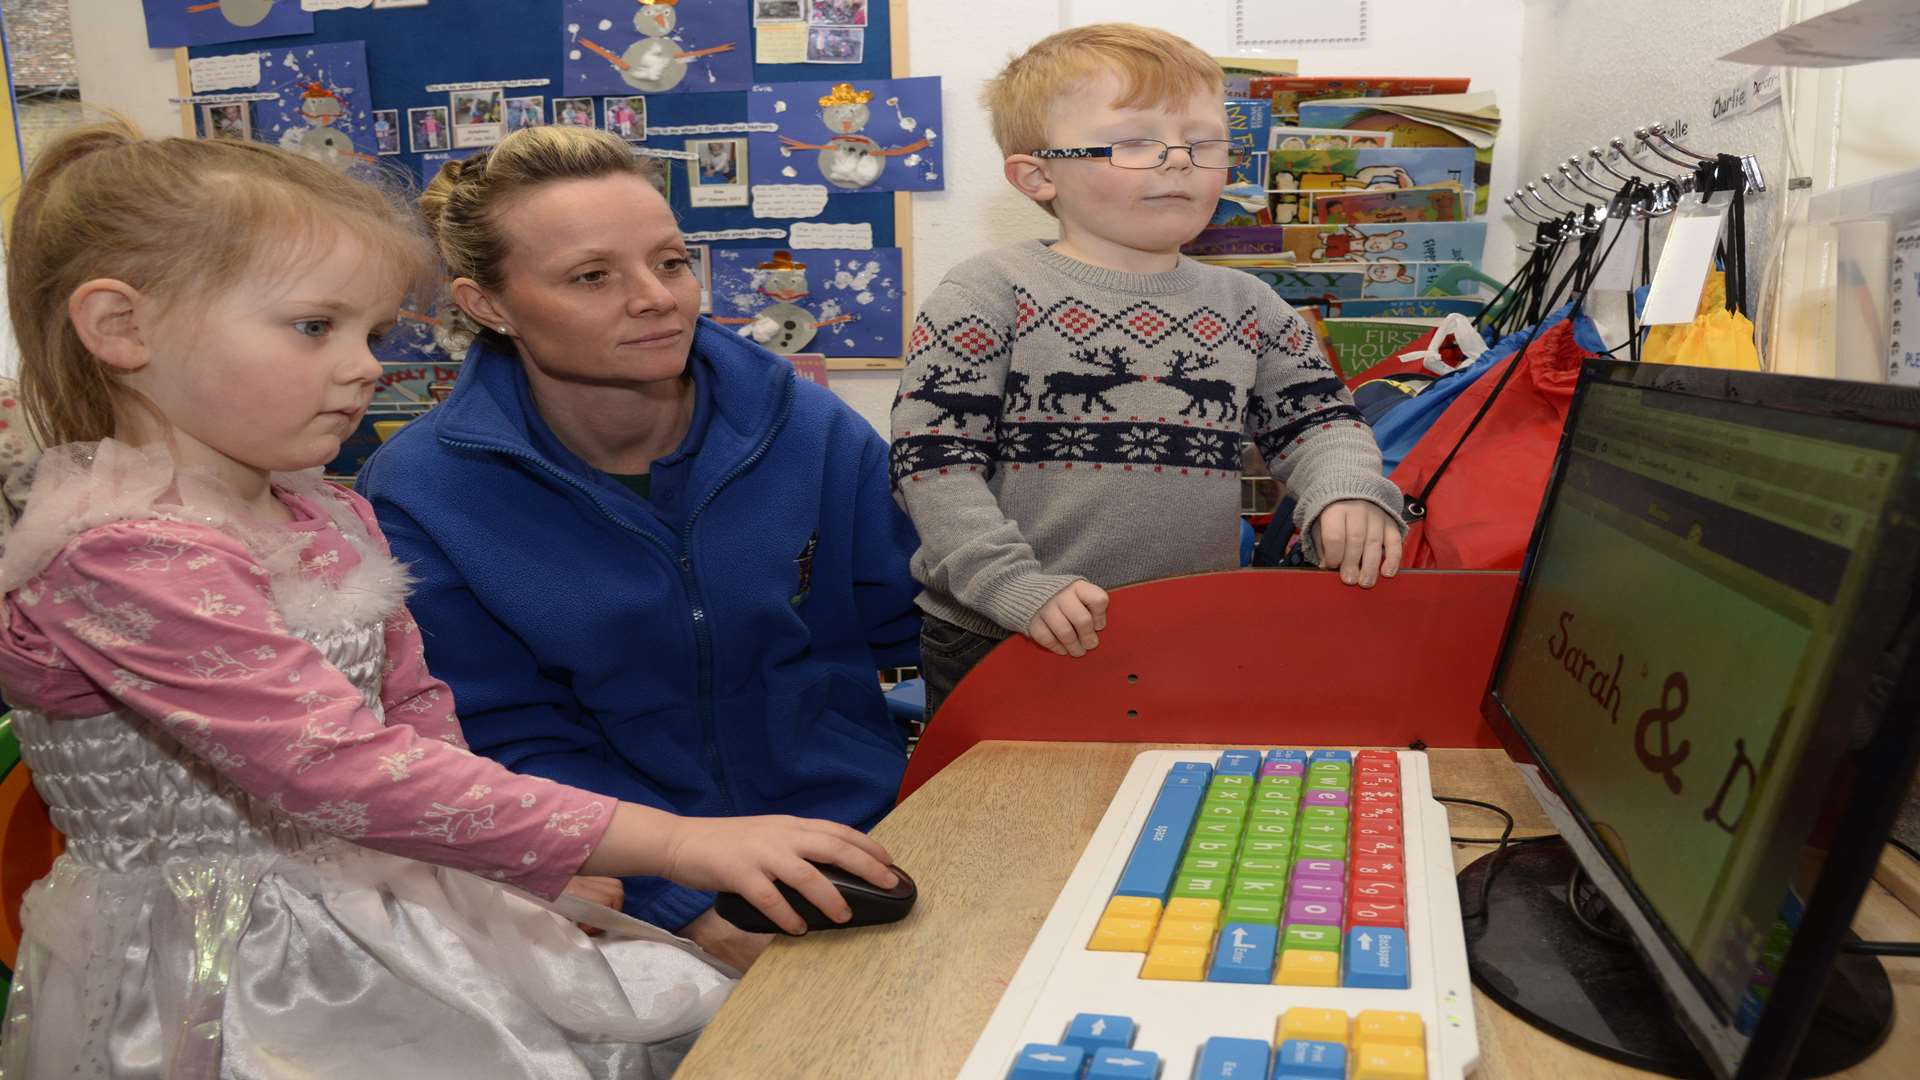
pixel 1156 854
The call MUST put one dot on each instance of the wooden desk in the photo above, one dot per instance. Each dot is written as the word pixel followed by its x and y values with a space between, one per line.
pixel 990 841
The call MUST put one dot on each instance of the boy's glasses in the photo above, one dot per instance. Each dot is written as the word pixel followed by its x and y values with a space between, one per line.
pixel 1152 153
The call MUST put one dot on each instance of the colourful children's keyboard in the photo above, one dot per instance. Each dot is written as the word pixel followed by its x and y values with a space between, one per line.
pixel 1246 916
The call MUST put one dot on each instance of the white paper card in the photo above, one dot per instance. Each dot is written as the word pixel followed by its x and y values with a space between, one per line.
pixel 1681 273
pixel 224 72
pixel 788 200
pixel 332 5
pixel 1324 22
pixel 1903 309
pixel 1616 271
pixel 854 236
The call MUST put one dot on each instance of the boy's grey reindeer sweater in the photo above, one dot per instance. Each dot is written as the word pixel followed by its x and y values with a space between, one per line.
pixel 1057 420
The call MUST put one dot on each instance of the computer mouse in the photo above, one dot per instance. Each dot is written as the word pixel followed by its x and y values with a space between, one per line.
pixel 871 904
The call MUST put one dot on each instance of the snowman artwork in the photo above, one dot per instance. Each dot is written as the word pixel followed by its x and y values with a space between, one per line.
pixel 656 62
pixel 783 326
pixel 847 159
pixel 320 140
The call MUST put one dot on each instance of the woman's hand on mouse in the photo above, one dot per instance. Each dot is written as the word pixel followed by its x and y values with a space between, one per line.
pixel 747 855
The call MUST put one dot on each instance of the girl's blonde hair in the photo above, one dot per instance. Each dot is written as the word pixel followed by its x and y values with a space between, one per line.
pixel 177 219
pixel 464 201
pixel 1153 66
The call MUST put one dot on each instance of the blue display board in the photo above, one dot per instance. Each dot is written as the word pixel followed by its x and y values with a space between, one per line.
pixel 457 41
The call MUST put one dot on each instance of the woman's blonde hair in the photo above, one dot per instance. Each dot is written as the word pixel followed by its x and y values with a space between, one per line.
pixel 177 219
pixel 464 201
pixel 1153 66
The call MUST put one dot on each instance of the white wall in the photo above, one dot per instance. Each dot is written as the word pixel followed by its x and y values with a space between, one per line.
pixel 118 71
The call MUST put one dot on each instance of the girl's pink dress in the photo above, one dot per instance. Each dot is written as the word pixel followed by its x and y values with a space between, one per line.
pixel 281 858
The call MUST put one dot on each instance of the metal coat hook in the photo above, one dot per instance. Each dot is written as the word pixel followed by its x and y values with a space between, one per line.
pixel 1645 135
pixel 1581 180
pixel 1519 212
pixel 1626 154
pixel 1565 202
pixel 1659 132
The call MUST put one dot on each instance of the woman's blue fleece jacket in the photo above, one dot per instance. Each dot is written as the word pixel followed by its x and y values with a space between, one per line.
pixel 712 650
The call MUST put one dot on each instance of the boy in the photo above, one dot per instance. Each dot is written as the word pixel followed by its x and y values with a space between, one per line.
pixel 1070 415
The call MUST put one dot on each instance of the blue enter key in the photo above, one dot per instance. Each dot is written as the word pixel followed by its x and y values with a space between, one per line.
pixel 1244 953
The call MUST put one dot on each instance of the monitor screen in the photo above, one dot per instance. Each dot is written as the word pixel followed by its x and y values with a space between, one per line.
pixel 1685 659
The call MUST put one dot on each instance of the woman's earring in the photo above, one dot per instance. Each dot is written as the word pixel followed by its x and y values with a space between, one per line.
pixel 503 329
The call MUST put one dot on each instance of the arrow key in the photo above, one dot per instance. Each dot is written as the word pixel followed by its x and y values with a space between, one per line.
pixel 1043 1061
pixel 1092 1031
pixel 1123 1064
pixel 1244 953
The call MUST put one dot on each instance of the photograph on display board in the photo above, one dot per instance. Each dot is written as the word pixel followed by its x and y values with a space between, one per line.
pixel 866 135
pixel 525 112
pixel 573 111
pixel 386 131
pixel 429 128
pixel 479 116
pixel 323 110
pixel 626 117
pixel 837 12
pixel 834 302
pixel 620 47
pixel 777 11
pixel 659 173
pixel 228 120
pixel 717 175
pixel 836 44
pixel 700 256
pixel 173 24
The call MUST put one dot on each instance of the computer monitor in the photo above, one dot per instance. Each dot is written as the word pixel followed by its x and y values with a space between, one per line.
pixel 1707 681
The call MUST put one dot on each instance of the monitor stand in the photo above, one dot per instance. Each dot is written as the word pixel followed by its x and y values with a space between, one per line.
pixel 1534 957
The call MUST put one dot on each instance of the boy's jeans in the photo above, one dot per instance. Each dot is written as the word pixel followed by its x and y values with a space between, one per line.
pixel 948 652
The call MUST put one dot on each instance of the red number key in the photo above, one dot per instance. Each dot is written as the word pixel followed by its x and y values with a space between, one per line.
pixel 1384 847
pixel 1372 866
pixel 1379 889
pixel 1365 811
pixel 1376 913
pixel 1384 828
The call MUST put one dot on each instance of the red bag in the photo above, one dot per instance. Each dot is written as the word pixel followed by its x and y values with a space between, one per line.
pixel 1481 513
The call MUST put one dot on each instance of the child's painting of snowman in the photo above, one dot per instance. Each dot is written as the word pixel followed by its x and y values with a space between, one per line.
pixel 656 46
pixel 872 135
pixel 833 302
pixel 525 112
pixel 836 44
pixel 430 129
pixel 323 107
pixel 717 175
pixel 573 111
pixel 386 131
pixel 173 24
pixel 700 256
pixel 230 120
pixel 626 117
pixel 479 116
pixel 837 12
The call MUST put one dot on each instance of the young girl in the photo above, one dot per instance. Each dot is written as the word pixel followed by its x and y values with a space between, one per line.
pixel 281 859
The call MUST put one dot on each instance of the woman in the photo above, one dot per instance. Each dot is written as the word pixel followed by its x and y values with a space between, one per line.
pixel 651 562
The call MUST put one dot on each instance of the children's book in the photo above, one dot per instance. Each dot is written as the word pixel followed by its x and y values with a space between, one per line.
pixel 1471 121
pixel 1320 285
pixel 1291 172
pixel 1413 307
pixel 1240 71
pixel 1247 124
pixel 1358 344
pixel 1311 138
pixel 1451 241
pixel 1289 92
pixel 1441 202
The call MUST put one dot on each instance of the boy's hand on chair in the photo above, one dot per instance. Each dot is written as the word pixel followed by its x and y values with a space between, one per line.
pixel 1360 540
pixel 747 855
pixel 1070 622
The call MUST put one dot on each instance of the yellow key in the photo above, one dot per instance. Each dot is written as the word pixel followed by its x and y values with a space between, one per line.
pixel 1193 909
pixel 1134 907
pixel 1389 1061
pixel 1117 933
pixel 1184 932
pixel 1187 963
pixel 1376 1027
pixel 1313 1025
pixel 1307 967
